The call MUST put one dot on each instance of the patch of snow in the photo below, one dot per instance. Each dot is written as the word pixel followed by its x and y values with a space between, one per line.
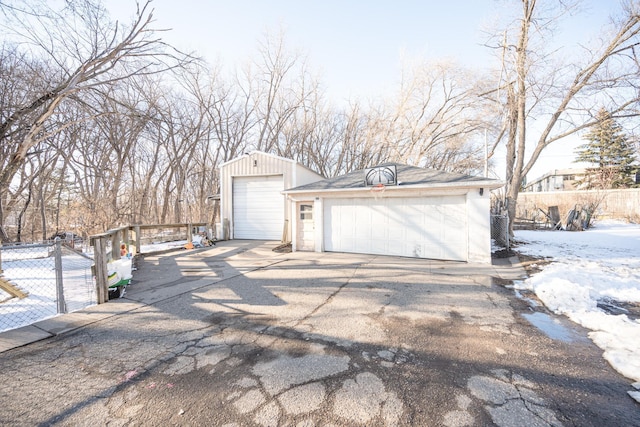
pixel 600 264
pixel 33 270
pixel 163 246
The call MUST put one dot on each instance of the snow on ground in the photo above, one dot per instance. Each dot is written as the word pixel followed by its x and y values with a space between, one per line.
pixel 33 270
pixel 600 265
pixel 163 246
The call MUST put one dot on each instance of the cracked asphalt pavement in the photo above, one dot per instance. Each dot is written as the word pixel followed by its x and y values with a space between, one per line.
pixel 238 335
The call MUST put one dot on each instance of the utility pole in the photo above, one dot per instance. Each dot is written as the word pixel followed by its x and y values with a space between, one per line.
pixel 486 156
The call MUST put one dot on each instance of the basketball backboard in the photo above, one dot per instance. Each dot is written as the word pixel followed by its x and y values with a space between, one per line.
pixel 386 175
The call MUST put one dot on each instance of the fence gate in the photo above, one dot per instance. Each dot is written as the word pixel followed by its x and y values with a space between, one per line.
pixel 42 280
pixel 500 230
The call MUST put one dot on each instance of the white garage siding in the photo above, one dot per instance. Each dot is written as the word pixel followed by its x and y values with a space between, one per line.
pixel 258 207
pixel 258 166
pixel 428 227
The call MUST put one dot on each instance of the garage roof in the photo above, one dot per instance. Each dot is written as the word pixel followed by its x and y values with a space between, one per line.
pixel 263 154
pixel 407 176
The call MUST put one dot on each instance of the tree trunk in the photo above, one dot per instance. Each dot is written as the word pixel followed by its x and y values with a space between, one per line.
pixel 517 137
pixel 23 211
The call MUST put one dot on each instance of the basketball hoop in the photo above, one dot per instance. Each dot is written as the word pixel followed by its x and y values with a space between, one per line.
pixel 378 190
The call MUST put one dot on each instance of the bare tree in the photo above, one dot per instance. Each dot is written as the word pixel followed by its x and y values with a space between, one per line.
pixel 563 100
pixel 147 157
pixel 82 51
pixel 277 82
pixel 436 118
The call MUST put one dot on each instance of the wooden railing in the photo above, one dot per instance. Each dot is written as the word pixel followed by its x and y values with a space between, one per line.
pixel 131 236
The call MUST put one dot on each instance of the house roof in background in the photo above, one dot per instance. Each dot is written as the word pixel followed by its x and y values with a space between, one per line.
pixel 558 172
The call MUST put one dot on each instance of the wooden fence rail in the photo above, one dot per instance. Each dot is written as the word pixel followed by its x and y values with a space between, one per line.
pixel 131 236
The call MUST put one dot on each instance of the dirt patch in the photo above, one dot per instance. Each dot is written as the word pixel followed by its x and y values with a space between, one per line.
pixel 503 253
pixel 611 306
pixel 283 249
pixel 531 264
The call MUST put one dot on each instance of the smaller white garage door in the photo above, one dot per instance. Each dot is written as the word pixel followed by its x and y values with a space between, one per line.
pixel 258 207
pixel 429 227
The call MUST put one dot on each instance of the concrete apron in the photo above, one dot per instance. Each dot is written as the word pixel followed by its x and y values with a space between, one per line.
pixel 240 335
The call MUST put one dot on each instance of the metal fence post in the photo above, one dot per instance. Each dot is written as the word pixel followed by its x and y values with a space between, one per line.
pixel 62 306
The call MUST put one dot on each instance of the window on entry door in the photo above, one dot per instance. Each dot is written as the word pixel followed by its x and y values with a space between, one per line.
pixel 306 212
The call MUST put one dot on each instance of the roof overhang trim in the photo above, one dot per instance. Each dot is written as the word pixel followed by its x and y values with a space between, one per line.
pixel 489 185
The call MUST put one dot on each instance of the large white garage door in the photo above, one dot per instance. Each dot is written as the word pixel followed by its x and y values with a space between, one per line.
pixel 430 227
pixel 258 207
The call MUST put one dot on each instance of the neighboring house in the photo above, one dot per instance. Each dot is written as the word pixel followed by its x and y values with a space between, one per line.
pixel 252 205
pixel 557 180
pixel 421 213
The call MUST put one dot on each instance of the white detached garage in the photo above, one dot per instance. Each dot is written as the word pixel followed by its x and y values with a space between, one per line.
pixel 419 213
pixel 252 205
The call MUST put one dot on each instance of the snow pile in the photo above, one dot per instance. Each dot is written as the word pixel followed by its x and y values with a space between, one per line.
pixel 598 266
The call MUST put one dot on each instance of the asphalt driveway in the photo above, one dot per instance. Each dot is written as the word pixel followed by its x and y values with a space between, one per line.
pixel 239 335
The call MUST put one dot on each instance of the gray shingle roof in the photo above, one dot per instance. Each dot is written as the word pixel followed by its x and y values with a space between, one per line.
pixel 407 175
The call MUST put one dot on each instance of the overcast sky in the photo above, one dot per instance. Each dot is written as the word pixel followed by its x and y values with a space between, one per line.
pixel 357 46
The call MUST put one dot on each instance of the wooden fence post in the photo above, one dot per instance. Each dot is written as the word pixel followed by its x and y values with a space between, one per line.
pixel 60 302
pixel 115 246
pixel 138 238
pixel 100 264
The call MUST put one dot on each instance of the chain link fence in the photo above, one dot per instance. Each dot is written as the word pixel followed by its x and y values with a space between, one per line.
pixel 42 280
pixel 500 230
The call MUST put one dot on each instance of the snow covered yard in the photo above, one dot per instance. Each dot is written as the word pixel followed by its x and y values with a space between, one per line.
pixel 593 279
pixel 33 270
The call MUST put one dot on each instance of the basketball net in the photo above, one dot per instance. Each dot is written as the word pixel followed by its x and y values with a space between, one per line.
pixel 378 190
